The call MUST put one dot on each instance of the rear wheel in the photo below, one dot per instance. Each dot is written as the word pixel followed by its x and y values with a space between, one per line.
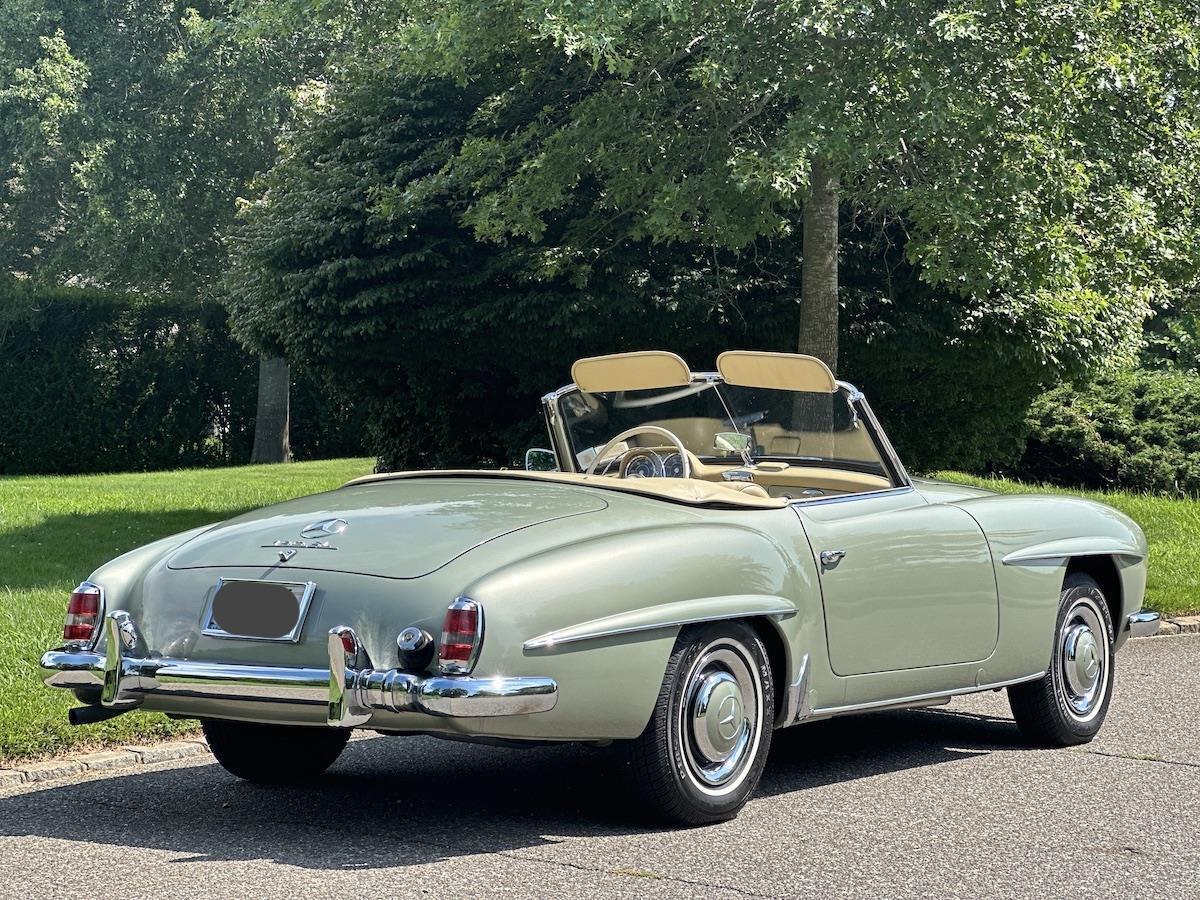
pixel 273 754
pixel 1068 704
pixel 703 751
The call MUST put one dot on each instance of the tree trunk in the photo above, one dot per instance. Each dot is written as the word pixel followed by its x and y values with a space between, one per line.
pixel 819 279
pixel 271 424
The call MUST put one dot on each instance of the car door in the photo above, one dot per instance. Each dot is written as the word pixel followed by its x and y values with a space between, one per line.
pixel 905 583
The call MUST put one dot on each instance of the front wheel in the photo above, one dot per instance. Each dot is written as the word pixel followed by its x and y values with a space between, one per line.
pixel 703 751
pixel 273 754
pixel 1068 704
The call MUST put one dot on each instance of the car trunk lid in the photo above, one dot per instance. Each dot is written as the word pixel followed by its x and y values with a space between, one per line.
pixel 394 529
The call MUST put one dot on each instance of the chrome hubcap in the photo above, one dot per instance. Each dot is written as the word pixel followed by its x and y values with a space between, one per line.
pixel 1083 659
pixel 716 712
pixel 719 717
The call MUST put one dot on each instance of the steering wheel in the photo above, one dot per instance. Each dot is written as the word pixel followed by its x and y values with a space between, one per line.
pixel 685 463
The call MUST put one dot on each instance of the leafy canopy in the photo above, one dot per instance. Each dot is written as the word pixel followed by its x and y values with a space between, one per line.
pixel 1041 155
pixel 445 341
pixel 127 130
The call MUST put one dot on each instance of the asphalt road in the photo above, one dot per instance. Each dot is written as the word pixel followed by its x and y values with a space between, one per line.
pixel 931 803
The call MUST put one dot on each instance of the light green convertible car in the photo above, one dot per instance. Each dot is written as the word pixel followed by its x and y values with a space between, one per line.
pixel 707 557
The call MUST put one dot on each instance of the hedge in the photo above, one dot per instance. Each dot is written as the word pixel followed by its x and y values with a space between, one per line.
pixel 1136 430
pixel 96 381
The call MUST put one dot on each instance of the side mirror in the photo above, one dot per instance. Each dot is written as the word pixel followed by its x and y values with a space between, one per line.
pixel 538 459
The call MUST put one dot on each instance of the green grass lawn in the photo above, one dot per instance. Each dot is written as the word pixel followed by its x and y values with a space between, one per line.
pixel 55 530
pixel 1172 528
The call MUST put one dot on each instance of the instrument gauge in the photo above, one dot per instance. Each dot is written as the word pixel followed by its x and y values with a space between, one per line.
pixel 673 466
pixel 644 464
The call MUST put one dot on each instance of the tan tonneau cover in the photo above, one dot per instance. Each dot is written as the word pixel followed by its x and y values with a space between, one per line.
pixel 679 490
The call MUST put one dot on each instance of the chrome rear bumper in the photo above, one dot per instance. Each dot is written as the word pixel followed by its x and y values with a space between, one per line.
pixel 351 689
pixel 1144 623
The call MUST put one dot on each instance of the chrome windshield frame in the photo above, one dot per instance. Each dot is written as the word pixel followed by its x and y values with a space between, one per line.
pixel 561 442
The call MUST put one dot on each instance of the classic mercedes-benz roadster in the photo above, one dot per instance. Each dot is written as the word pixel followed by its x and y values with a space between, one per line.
pixel 705 558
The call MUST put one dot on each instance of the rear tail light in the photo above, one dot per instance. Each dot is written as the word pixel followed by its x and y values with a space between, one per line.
pixel 462 635
pixel 83 614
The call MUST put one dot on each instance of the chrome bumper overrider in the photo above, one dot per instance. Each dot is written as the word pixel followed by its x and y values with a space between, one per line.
pixel 351 688
pixel 1143 623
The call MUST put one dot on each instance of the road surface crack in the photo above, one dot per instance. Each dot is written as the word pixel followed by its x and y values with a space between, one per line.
pixel 530 857
pixel 633 873
pixel 1141 758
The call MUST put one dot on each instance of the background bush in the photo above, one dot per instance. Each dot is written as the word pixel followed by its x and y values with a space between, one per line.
pixel 1137 430
pixel 95 381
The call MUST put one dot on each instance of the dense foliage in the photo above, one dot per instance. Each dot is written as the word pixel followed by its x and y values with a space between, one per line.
pixel 127 130
pixel 951 385
pixel 449 342
pixel 97 381
pixel 468 196
pixel 1042 156
pixel 1173 339
pixel 1137 430
pixel 494 191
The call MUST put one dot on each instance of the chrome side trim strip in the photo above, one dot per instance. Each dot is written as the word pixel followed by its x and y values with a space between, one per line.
pixel 1143 623
pixel 552 639
pixel 920 698
pixel 804 502
pixel 1070 547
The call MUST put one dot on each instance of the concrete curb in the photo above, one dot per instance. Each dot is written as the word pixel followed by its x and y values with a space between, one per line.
pixel 101 761
pixel 114 759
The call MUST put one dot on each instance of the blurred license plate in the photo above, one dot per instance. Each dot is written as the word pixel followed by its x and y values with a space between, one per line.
pixel 258 610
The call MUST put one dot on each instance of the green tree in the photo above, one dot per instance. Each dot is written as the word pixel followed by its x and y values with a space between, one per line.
pixel 445 343
pixel 448 342
pixel 1041 155
pixel 128 128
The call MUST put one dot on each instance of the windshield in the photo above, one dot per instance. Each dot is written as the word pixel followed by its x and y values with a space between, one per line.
pixel 789 426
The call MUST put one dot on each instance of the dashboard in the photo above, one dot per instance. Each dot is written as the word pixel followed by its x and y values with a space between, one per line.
pixel 648 463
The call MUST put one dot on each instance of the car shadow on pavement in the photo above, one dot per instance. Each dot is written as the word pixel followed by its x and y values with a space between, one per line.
pixel 408 801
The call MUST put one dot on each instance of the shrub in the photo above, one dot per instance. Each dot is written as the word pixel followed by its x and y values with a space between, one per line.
pixel 96 381
pixel 951 385
pixel 1136 430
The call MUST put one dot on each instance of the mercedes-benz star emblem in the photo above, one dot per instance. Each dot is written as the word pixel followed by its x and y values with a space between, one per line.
pixel 324 528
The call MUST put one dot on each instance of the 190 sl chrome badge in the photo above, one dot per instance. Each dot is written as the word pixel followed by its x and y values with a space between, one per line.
pixel 302 545
pixel 324 528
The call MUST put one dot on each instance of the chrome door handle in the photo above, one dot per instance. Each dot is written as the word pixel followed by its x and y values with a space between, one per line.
pixel 830 558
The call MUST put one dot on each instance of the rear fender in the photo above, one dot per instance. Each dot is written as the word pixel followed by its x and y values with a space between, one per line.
pixel 601 617
pixel 122 578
